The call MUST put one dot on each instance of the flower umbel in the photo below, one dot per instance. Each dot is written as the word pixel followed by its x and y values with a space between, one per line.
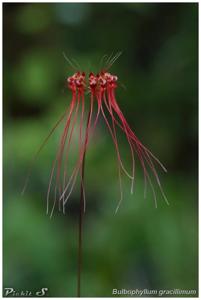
pixel 99 92
pixel 101 88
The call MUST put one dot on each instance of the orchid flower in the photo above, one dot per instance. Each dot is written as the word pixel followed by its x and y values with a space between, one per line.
pixel 101 88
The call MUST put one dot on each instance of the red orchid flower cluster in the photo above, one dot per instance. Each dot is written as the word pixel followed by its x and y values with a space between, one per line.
pixel 101 88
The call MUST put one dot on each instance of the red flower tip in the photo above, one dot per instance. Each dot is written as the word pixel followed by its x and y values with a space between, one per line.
pixel 99 81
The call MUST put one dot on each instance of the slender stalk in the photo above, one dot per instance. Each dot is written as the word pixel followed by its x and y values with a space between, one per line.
pixel 80 228
pixel 81 213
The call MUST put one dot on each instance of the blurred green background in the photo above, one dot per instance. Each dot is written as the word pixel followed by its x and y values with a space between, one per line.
pixel 140 247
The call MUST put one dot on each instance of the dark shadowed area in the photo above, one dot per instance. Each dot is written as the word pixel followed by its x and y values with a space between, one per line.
pixel 141 247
